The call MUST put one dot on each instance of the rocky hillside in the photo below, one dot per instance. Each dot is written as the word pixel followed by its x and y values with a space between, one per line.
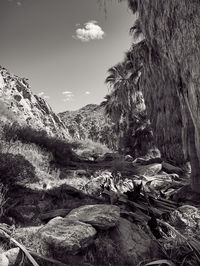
pixel 89 122
pixel 19 103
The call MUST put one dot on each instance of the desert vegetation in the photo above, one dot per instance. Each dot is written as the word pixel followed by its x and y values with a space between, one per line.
pixel 115 183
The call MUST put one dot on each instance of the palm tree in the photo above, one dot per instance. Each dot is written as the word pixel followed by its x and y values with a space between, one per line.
pixel 124 102
pixel 119 103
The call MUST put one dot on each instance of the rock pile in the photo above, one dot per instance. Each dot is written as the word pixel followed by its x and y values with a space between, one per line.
pixel 70 239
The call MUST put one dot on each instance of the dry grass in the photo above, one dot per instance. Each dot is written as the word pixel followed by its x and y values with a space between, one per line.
pixel 48 177
pixel 39 158
pixel 49 182
pixel 89 148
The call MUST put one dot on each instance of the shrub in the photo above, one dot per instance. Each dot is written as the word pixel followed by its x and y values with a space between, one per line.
pixel 89 148
pixel 15 168
pixel 61 149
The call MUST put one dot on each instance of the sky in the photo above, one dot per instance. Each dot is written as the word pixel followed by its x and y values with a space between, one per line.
pixel 64 47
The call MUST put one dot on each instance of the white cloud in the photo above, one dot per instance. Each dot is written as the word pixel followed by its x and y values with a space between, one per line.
pixel 91 31
pixel 66 92
pixel 68 96
pixel 87 92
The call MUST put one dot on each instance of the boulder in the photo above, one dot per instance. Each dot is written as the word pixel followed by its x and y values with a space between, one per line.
pixel 148 170
pixel 100 216
pixel 65 236
pixel 134 243
pixel 12 255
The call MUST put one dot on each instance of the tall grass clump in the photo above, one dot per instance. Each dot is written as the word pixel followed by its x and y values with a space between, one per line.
pixel 14 168
pixel 60 149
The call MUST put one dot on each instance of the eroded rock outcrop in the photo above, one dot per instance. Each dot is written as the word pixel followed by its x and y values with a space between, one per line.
pixel 23 106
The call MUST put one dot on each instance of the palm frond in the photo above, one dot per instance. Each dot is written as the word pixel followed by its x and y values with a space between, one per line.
pixel 133 5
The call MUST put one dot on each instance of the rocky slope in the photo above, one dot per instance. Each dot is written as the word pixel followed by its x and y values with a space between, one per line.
pixel 18 103
pixel 89 122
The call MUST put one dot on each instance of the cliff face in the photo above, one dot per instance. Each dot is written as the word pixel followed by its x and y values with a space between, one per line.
pixel 80 123
pixel 171 78
pixel 26 108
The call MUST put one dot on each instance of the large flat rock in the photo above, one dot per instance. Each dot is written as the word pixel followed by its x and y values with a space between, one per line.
pixel 101 216
pixel 67 236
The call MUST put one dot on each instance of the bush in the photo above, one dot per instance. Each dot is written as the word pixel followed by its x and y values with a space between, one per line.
pixel 15 168
pixel 88 148
pixel 61 149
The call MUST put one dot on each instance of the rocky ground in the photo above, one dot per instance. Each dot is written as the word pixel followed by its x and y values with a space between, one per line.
pixel 129 216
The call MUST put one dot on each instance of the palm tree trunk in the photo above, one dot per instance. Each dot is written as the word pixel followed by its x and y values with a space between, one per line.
pixel 192 147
